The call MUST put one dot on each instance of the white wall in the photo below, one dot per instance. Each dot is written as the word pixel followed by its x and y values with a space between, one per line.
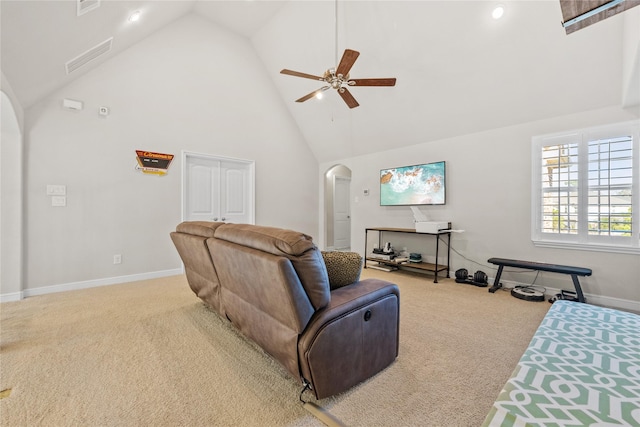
pixel 631 58
pixel 489 196
pixel 192 86
pixel 11 184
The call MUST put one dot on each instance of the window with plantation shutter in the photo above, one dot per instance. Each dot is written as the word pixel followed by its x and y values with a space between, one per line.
pixel 610 187
pixel 559 183
pixel 585 189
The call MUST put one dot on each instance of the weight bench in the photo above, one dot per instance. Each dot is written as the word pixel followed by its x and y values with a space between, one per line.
pixel 541 266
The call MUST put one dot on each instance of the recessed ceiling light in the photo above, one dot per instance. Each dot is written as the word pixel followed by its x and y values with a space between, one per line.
pixel 135 16
pixel 498 12
pixel 319 95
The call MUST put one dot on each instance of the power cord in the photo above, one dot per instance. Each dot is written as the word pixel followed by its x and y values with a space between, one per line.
pixel 533 286
pixel 491 267
pixel 317 411
pixel 307 386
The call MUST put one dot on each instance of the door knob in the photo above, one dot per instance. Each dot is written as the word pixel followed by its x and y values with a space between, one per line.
pixel 215 219
pixel 223 218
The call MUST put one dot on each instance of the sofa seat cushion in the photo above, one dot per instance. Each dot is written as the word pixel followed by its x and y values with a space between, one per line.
pixel 297 247
pixel 343 268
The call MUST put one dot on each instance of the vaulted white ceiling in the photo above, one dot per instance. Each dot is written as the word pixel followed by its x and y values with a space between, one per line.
pixel 458 70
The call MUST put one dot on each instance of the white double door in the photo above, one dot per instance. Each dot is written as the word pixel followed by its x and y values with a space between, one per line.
pixel 218 189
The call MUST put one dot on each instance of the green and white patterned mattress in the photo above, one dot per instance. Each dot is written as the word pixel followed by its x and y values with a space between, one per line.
pixel 582 368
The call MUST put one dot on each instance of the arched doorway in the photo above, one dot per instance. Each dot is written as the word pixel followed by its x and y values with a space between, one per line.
pixel 11 204
pixel 337 208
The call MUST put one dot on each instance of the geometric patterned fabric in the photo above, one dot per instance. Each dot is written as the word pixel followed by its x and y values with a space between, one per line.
pixel 582 368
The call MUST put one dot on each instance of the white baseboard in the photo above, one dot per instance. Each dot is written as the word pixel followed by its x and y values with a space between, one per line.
pixel 623 304
pixel 619 303
pixel 11 296
pixel 43 290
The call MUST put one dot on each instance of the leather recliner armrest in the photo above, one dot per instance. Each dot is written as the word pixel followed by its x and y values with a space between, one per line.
pixel 353 338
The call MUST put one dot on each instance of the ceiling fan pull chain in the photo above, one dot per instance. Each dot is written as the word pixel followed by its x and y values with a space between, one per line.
pixel 338 78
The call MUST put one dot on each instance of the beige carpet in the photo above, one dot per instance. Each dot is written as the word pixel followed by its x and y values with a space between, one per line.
pixel 150 354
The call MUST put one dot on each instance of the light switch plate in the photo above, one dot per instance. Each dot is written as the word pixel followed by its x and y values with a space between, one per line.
pixel 56 190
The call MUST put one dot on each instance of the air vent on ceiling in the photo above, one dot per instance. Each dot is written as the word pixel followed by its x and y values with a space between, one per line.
pixel 85 6
pixel 89 55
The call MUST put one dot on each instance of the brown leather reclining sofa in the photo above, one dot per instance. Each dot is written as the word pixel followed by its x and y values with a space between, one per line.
pixel 272 285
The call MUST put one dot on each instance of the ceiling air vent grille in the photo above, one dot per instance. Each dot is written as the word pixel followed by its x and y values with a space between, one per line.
pixel 89 55
pixel 85 6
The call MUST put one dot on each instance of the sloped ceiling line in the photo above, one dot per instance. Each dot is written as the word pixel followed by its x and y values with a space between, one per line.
pixel 461 71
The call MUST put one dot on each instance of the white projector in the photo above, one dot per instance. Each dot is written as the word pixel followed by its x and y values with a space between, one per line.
pixel 431 226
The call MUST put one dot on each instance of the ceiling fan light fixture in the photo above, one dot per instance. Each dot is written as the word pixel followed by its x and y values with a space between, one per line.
pixel 135 16
pixel 338 78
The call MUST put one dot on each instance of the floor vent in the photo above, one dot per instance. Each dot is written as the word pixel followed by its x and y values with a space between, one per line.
pixel 85 6
pixel 89 55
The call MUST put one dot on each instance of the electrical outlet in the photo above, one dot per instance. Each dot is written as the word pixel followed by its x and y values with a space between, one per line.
pixel 117 259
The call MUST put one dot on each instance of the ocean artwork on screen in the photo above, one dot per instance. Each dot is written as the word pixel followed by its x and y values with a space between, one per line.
pixel 422 184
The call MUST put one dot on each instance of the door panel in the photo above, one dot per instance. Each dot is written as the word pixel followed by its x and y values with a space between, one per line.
pixel 342 214
pixel 203 194
pixel 234 206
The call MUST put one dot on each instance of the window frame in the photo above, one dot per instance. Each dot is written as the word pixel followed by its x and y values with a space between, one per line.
pixel 582 240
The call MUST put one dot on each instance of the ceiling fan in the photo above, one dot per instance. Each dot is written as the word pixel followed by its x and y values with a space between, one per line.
pixel 338 79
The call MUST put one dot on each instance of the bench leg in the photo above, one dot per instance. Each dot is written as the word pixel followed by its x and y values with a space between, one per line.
pixel 576 284
pixel 496 283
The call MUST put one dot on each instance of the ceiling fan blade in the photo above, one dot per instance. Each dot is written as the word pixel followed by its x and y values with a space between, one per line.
pixel 373 82
pixel 348 98
pixel 312 94
pixel 299 74
pixel 348 59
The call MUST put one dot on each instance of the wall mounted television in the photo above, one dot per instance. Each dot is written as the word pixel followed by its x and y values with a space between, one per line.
pixel 422 184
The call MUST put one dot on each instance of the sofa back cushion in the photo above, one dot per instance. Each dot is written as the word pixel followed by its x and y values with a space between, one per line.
pixel 190 240
pixel 263 297
pixel 198 228
pixel 297 247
